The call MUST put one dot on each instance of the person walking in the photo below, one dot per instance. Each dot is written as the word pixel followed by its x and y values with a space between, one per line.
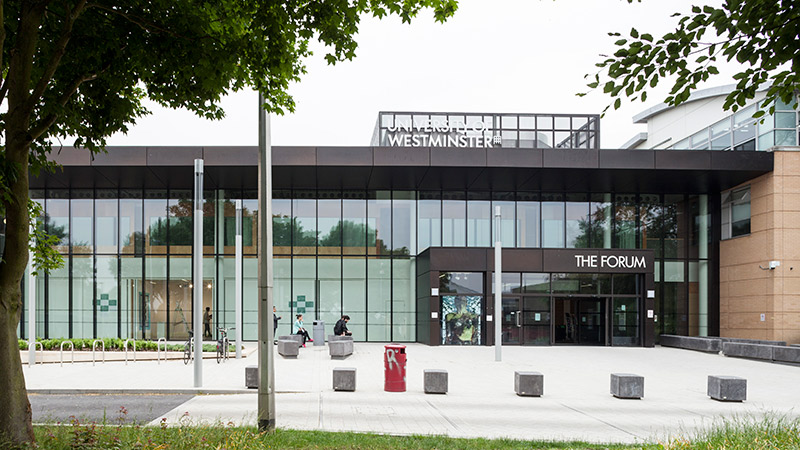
pixel 275 319
pixel 299 329
pixel 207 323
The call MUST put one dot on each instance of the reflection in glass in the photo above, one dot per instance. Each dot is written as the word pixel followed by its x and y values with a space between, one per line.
pixel 82 221
pixel 454 219
pixel 528 216
pixel 505 200
pixel 478 220
pixel 577 220
pixel 379 223
pixel 354 223
pixel 404 221
pixel 625 221
pixel 552 221
pixel 430 220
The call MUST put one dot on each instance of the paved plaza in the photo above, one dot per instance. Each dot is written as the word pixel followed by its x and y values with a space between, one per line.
pixel 480 402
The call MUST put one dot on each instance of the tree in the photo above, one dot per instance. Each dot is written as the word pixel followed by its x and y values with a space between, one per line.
pixel 761 35
pixel 82 68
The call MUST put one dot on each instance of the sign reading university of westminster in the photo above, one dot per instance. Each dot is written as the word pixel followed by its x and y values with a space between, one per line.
pixel 436 133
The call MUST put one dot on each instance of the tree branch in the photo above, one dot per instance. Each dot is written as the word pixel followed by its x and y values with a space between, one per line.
pixel 136 20
pixel 58 52
pixel 39 128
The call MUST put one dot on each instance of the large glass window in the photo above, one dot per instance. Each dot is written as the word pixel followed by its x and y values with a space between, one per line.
pixel 354 295
pixel 58 312
pixel 479 220
pixel 354 223
pixel 599 234
pixel 403 300
pixel 181 288
pixel 330 290
pixel 282 223
pixel 736 213
pixel 304 232
pixel 578 222
pixel 404 223
pixel 528 220
pixel 651 223
pixel 106 221
pixel 155 222
pixel 552 221
pixel 82 296
pixel 379 297
pixel 57 218
pixel 131 296
pixel 107 300
pixel 454 219
pixel 130 222
pixel 304 289
pixel 625 219
pixel 329 220
pixel 181 222
pixel 379 222
pixel 82 215
pixel 505 201
pixel 430 219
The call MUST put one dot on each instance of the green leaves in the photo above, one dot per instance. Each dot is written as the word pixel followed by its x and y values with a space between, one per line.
pixel 760 34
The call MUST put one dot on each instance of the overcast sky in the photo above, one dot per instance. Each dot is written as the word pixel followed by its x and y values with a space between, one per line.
pixel 519 56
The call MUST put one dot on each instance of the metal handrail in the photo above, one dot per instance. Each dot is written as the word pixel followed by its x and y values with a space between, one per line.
pixel 126 349
pixel 158 349
pixel 41 349
pixel 71 347
pixel 94 346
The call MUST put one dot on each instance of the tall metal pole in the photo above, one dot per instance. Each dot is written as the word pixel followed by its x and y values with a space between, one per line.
pixel 197 279
pixel 238 264
pixel 31 291
pixel 498 287
pixel 266 369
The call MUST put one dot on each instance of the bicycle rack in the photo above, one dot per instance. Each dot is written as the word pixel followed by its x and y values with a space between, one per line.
pixel 71 347
pixel 126 350
pixel 94 346
pixel 41 349
pixel 158 349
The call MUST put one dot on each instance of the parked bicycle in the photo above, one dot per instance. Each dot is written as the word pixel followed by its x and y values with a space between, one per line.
pixel 187 348
pixel 223 344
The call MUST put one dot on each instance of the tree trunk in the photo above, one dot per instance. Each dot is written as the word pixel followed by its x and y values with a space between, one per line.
pixel 15 410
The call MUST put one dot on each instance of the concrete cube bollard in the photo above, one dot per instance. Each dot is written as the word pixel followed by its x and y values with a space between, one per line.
pixel 529 384
pixel 627 385
pixel 295 337
pixel 344 379
pixel 333 337
pixel 288 348
pixel 251 377
pixel 340 349
pixel 435 381
pixel 726 388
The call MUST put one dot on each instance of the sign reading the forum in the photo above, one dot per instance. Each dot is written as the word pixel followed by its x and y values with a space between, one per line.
pixel 435 133
pixel 610 262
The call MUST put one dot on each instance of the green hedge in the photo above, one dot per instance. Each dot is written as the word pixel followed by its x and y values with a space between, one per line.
pixel 113 344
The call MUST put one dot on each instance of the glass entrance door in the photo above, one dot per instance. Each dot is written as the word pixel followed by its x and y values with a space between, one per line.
pixel 511 324
pixel 580 320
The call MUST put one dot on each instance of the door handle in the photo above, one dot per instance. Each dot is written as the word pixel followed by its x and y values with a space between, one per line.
pixel 519 320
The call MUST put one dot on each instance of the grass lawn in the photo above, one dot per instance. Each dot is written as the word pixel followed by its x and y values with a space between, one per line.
pixel 767 432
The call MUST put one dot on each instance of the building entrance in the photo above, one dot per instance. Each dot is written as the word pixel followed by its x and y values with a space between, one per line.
pixel 526 320
pixel 580 320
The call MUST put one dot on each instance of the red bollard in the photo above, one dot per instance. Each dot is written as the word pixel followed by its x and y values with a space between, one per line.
pixel 394 368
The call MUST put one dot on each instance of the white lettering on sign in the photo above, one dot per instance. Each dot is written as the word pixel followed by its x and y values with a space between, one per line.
pixel 437 133
pixel 390 358
pixel 610 262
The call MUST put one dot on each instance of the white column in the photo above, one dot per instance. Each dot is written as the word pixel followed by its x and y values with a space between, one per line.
pixel 31 291
pixel 702 269
pixel 197 279
pixel 238 263
pixel 498 286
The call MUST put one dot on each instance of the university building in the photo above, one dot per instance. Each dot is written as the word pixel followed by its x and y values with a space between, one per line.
pixel 687 229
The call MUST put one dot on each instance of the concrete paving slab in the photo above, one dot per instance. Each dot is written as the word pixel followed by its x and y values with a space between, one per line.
pixel 481 401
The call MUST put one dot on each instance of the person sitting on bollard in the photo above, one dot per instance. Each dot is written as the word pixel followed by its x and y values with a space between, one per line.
pixel 298 329
pixel 340 329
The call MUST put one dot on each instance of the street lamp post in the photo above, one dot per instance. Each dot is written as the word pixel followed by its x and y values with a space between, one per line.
pixel 266 369
pixel 498 287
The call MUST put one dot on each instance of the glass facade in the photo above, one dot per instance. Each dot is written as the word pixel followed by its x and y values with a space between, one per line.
pixel 128 258
pixel 741 132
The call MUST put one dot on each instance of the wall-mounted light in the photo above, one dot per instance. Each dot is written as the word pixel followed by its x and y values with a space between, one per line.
pixel 772 265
